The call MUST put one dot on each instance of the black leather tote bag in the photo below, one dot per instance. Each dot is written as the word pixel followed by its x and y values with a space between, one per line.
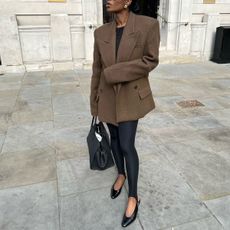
pixel 100 153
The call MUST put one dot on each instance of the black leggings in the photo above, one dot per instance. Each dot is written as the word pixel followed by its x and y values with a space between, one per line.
pixel 123 146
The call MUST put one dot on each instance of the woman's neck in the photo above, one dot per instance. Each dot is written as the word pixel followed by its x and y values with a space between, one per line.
pixel 121 18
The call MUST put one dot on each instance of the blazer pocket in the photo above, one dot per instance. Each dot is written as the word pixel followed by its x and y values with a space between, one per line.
pixel 144 92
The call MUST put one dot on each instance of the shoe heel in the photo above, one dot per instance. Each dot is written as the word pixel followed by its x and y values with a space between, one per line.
pixel 128 220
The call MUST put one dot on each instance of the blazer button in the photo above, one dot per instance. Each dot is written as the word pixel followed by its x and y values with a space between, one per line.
pixel 135 87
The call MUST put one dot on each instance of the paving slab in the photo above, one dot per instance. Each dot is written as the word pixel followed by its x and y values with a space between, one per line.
pixel 77 119
pixel 29 207
pixel 75 176
pixel 28 136
pixel 70 142
pixel 207 172
pixel 188 112
pixel 27 167
pixel 37 91
pixel 10 85
pixel 62 76
pixel 94 209
pixel 202 122
pixel 2 139
pixel 173 134
pixel 220 207
pixel 167 199
pixel 5 119
pixel 68 103
pixel 64 88
pixel 222 116
pixel 209 223
pixel 183 152
pixel 30 104
pixel 29 117
pixel 36 79
pixel 217 138
pixel 167 103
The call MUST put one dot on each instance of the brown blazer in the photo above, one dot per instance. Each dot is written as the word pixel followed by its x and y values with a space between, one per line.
pixel 120 89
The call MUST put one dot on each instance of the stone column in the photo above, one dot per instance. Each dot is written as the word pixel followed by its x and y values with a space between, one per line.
pixel 178 13
pixel 10 49
pixel 61 41
pixel 184 27
pixel 171 27
pixel 162 16
pixel 213 21
pixel 197 38
pixel 99 12
pixel 90 20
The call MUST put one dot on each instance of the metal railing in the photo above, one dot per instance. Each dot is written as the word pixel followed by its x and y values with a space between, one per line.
pixel 166 21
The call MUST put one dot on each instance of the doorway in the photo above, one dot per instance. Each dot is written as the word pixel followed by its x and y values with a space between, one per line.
pixel 146 7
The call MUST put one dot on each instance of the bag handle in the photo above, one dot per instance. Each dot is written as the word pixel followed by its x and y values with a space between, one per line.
pixel 94 120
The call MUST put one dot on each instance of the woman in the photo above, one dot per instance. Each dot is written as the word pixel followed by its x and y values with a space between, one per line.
pixel 125 51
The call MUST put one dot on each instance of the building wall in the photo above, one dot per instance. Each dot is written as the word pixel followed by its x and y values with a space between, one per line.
pixel 37 34
pixel 189 27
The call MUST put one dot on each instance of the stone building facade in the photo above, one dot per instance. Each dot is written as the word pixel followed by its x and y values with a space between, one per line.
pixel 56 35
pixel 189 26
pixel 42 35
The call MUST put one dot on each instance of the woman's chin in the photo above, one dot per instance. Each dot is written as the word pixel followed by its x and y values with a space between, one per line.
pixel 114 11
pixel 109 10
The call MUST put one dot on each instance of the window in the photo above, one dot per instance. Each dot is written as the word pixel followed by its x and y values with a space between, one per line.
pixel 209 1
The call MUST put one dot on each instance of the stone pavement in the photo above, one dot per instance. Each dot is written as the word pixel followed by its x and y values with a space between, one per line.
pixel 184 176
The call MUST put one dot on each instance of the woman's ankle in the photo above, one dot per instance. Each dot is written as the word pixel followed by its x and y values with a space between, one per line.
pixel 121 175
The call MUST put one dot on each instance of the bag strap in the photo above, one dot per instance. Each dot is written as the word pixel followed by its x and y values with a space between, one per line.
pixel 94 120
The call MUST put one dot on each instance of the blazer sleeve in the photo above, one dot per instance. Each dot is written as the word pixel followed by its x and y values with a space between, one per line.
pixel 95 78
pixel 137 68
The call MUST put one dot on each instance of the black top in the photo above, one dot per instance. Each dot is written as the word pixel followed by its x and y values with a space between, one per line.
pixel 119 31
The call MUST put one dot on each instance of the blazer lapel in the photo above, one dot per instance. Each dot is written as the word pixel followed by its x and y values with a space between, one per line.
pixel 127 43
pixel 128 39
pixel 126 46
pixel 109 42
